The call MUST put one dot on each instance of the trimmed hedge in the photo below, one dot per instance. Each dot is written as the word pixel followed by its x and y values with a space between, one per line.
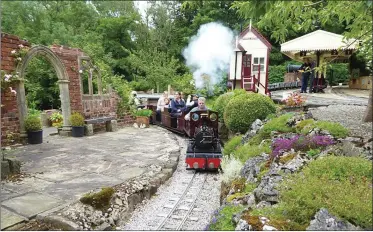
pixel 244 109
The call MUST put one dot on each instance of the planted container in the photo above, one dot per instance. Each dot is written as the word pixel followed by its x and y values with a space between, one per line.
pixel 77 124
pixel 34 129
pixel 143 116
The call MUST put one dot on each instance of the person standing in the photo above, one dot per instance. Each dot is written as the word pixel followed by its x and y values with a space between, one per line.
pixel 305 69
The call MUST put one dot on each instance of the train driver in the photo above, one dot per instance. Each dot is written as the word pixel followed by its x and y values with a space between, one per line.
pixel 201 107
pixel 177 105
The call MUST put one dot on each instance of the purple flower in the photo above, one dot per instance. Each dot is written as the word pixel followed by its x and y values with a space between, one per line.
pixel 300 143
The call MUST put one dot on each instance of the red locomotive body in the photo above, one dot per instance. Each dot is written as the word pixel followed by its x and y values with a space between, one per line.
pixel 204 146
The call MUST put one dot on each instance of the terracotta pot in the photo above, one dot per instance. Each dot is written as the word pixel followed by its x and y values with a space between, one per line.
pixel 142 120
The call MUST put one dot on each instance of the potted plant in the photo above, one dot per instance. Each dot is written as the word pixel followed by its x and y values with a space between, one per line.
pixel 142 117
pixel 57 119
pixel 294 102
pixel 34 129
pixel 77 124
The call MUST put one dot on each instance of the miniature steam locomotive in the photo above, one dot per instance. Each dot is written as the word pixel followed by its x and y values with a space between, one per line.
pixel 204 145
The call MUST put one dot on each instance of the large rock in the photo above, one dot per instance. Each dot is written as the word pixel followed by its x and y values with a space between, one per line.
pixel 255 127
pixel 266 190
pixel 325 221
pixel 296 163
pixel 242 225
pixel 251 168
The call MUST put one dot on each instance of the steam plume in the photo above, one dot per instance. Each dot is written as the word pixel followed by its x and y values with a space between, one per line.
pixel 208 53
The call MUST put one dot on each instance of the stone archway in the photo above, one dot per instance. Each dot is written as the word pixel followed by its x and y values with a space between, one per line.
pixel 63 81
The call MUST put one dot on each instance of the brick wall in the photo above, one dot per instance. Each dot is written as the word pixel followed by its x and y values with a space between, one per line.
pixel 69 58
pixel 9 110
pixel 101 106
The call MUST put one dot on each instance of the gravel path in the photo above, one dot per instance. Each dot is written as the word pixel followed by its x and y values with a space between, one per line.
pixel 349 116
pixel 150 214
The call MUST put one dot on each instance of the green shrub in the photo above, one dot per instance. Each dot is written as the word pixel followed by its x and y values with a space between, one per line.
pixel 340 184
pixel 246 152
pixel 76 119
pixel 276 73
pixel 33 123
pixel 277 124
pixel 220 104
pixel 232 144
pixel 144 113
pixel 244 109
pixel 334 128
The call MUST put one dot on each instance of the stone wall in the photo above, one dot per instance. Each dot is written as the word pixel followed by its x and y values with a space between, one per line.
pixel 10 128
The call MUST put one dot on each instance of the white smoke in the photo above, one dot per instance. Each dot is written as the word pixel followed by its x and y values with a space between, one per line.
pixel 209 52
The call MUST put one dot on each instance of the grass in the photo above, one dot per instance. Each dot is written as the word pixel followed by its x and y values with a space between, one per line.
pixel 232 144
pixel 277 124
pixel 343 185
pixel 223 221
pixel 334 128
pixel 247 151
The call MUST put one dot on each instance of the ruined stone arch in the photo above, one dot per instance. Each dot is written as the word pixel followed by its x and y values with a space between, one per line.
pixel 63 81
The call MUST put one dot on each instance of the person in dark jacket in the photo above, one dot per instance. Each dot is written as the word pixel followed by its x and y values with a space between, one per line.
pixel 305 69
pixel 177 105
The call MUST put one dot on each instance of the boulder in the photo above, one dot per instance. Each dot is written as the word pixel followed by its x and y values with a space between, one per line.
pixel 251 168
pixel 327 222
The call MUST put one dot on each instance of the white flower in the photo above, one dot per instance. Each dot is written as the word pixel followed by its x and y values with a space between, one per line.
pixel 13 52
pixel 12 90
pixel 7 77
pixel 19 58
pixel 80 71
pixel 20 46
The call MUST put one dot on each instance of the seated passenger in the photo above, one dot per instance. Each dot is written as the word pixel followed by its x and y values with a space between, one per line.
pixel 177 106
pixel 192 103
pixel 201 107
pixel 161 101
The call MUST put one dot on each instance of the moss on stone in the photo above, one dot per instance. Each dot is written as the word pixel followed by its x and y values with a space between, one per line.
pixel 230 198
pixel 286 225
pixel 238 184
pixel 99 200
pixel 254 221
pixel 287 158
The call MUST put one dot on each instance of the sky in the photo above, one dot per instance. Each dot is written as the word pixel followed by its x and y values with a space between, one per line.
pixel 142 6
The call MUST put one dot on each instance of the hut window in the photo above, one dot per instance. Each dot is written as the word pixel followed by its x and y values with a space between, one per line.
pixel 257 61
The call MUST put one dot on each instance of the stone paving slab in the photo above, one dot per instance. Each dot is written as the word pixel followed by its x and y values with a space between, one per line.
pixel 9 218
pixel 65 168
pixel 30 204
pixel 73 189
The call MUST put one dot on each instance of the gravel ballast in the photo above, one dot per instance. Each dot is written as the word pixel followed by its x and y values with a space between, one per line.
pixel 150 214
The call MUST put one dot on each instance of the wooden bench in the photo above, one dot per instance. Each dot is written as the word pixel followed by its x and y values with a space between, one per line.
pixel 111 124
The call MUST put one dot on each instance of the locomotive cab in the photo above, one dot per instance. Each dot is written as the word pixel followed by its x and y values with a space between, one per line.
pixel 204 150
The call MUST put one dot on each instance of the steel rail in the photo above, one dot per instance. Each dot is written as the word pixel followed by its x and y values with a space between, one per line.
pixel 177 203
pixel 193 203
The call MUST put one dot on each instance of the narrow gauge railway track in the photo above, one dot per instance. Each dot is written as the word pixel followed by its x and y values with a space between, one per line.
pixel 182 204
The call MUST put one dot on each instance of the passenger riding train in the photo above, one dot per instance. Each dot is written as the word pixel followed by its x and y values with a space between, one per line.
pixel 204 145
